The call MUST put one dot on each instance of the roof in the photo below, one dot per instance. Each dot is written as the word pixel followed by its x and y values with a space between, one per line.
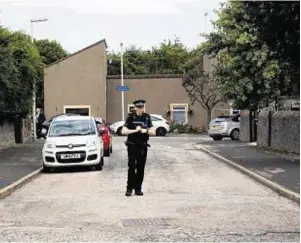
pixel 72 118
pixel 75 53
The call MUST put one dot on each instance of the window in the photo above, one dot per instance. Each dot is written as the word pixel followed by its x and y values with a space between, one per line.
pixel 131 108
pixel 179 113
pixel 81 110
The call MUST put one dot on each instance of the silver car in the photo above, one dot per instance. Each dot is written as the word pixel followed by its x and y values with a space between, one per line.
pixel 225 127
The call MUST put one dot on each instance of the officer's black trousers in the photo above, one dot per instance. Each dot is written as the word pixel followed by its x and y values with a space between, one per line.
pixel 137 155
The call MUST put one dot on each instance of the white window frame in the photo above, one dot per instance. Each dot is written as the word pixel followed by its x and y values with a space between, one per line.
pixel 174 105
pixel 77 107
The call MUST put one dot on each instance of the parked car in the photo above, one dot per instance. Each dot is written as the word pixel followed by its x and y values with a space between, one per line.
pixel 106 136
pixel 159 122
pixel 73 141
pixel 218 120
pixel 46 124
pixel 225 127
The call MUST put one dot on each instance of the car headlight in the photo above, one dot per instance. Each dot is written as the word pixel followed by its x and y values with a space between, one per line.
pixel 50 145
pixel 91 143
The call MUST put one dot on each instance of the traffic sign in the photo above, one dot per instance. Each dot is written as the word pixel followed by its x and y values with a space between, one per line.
pixel 122 88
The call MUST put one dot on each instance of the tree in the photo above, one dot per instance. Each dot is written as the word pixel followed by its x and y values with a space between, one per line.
pixel 199 85
pixel 253 61
pixel 50 52
pixel 19 68
pixel 168 58
pixel 279 24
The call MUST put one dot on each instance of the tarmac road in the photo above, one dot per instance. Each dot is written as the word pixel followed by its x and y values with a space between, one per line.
pixel 189 196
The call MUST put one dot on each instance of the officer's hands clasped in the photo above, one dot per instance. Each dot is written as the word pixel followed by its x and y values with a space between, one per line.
pixel 140 129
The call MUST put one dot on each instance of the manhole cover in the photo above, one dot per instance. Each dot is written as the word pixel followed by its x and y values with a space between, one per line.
pixel 145 222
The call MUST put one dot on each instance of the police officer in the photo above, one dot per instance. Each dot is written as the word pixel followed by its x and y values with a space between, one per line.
pixel 138 126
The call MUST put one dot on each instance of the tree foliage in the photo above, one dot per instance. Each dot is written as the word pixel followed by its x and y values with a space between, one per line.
pixel 50 51
pixel 19 71
pixel 168 58
pixel 257 47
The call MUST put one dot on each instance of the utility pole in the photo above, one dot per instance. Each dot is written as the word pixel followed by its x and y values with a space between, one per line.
pixel 34 127
pixel 122 83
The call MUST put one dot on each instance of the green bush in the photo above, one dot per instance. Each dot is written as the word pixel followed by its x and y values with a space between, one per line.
pixel 185 128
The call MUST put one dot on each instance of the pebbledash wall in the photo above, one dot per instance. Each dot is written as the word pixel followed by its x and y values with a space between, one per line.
pixel 14 132
pixel 7 134
pixel 277 130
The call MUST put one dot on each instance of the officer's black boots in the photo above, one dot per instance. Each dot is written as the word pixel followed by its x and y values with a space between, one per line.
pixel 128 193
pixel 138 193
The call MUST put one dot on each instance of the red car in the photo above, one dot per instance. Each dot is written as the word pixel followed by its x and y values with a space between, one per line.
pixel 106 137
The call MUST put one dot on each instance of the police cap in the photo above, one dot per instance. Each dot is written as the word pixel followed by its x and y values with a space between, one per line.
pixel 139 103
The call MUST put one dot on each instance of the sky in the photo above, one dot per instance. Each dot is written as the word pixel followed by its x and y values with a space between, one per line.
pixel 77 24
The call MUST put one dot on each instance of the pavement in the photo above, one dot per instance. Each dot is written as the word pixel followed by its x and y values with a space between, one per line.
pixel 283 169
pixel 19 161
pixel 189 196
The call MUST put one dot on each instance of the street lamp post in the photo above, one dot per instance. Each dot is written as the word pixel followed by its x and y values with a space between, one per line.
pixel 34 128
pixel 122 83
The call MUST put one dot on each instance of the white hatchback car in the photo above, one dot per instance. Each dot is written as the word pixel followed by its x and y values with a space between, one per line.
pixel 73 141
pixel 159 122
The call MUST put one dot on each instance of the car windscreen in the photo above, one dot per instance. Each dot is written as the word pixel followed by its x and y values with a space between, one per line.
pixel 72 128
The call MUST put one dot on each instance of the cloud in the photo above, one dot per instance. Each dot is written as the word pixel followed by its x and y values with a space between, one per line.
pixel 128 7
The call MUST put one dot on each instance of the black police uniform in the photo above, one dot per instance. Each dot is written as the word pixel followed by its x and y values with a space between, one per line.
pixel 137 147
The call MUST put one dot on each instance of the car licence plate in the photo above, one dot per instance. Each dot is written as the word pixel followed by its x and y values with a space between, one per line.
pixel 44 130
pixel 70 156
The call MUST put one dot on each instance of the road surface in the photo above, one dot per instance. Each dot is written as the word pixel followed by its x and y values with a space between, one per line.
pixel 189 196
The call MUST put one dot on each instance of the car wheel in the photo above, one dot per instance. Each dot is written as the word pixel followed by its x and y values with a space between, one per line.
pixel 235 134
pixel 161 131
pixel 217 138
pixel 100 164
pixel 46 169
pixel 119 131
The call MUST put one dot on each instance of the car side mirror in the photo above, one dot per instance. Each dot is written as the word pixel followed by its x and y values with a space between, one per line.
pixel 101 131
